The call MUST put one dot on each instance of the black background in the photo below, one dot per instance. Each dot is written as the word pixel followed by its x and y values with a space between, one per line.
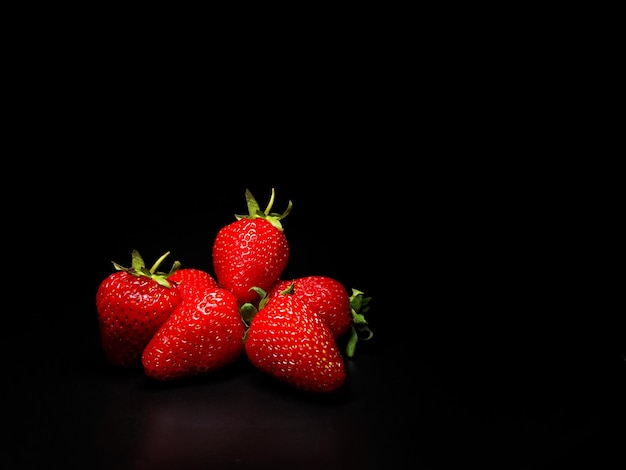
pixel 493 340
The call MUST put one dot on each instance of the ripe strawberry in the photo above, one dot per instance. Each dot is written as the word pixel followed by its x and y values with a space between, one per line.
pixel 330 300
pixel 325 296
pixel 252 251
pixel 204 333
pixel 293 344
pixel 132 303
pixel 192 282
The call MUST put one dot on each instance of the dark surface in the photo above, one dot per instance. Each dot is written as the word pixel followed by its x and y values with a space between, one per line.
pixel 486 349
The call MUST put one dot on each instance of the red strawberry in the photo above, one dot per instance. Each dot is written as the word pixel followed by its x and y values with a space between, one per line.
pixel 191 281
pixel 325 296
pixel 293 344
pixel 330 300
pixel 132 303
pixel 203 334
pixel 252 251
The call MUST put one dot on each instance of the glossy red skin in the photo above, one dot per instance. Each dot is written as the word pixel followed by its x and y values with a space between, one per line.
pixel 203 334
pixel 249 253
pixel 130 311
pixel 294 345
pixel 325 296
pixel 192 282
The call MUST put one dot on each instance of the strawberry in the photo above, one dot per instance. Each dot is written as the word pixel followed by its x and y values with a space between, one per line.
pixel 324 295
pixel 204 333
pixel 330 300
pixel 252 251
pixel 191 281
pixel 292 343
pixel 132 303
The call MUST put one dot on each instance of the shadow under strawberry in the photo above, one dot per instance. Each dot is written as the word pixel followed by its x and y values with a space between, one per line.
pixel 224 375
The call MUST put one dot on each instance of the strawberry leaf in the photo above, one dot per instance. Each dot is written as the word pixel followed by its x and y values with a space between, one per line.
pixel 138 269
pixel 360 330
pixel 352 340
pixel 247 312
pixel 254 211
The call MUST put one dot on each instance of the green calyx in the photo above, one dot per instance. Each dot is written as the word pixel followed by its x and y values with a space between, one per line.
pixel 138 268
pixel 255 212
pixel 248 310
pixel 359 330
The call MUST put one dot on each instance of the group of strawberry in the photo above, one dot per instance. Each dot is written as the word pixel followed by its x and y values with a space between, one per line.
pixel 185 322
